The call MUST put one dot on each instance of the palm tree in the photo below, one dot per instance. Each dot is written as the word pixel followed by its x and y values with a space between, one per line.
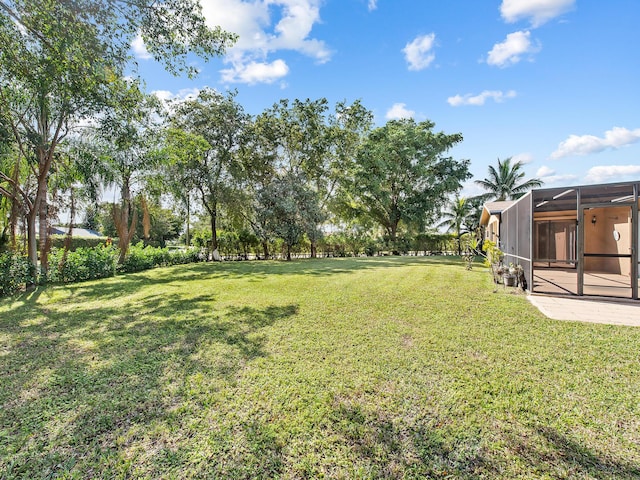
pixel 457 218
pixel 503 182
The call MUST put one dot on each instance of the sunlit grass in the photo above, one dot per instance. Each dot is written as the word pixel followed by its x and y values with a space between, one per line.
pixel 343 368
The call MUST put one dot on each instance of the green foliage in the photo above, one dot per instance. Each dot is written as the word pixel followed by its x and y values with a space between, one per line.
pixel 57 241
pixel 470 251
pixel 202 150
pixel 141 257
pixel 493 260
pixel 15 273
pixel 290 209
pixel 403 176
pixel 494 254
pixel 434 243
pixel 506 182
pixel 82 264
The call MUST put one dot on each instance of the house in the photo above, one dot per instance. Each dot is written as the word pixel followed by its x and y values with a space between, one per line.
pixel 76 232
pixel 575 240
pixel 491 219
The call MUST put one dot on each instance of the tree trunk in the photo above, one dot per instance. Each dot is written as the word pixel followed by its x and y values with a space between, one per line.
pixel 13 223
pixel 32 244
pixel 214 232
pixel 43 221
pixel 288 252
pixel 121 220
pixel 69 238
pixel 188 242
pixel 314 249
pixel 393 235
pixel 265 249
pixel 15 207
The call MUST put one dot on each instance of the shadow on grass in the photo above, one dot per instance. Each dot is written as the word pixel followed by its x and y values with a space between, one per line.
pixel 577 460
pixel 401 447
pixel 405 448
pixel 81 391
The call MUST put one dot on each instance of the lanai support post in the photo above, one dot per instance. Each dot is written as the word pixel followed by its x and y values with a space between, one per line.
pixel 580 253
pixel 635 243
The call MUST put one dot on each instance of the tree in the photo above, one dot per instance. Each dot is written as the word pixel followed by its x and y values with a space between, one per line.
pixel 505 182
pixel 220 121
pixel 456 218
pixel 302 149
pixel 183 150
pixel 129 133
pixel 258 156
pixel 60 61
pixel 401 174
pixel 289 209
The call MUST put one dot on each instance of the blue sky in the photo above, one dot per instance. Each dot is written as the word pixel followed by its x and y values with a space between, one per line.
pixel 554 83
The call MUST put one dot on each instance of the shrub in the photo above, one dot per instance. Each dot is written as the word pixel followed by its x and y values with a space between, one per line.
pixel 142 257
pixel 57 241
pixel 180 257
pixel 16 271
pixel 82 264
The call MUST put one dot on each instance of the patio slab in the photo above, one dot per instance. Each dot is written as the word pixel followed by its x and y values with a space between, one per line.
pixel 591 310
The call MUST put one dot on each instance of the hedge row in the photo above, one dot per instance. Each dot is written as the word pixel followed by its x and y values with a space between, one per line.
pixel 57 241
pixel 140 258
pixel 82 264
pixel 88 264
pixel 15 272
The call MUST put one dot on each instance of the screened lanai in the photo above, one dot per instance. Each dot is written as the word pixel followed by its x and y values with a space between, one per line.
pixel 579 240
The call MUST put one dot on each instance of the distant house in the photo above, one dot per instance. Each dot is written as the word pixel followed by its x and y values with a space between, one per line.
pixel 76 232
pixel 491 219
pixel 581 240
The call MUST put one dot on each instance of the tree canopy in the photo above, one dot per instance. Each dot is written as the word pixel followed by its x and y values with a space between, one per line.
pixel 506 181
pixel 62 60
pixel 401 174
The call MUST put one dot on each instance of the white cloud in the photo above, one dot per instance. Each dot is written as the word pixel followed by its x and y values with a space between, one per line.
pixel 511 50
pixel 418 52
pixel 398 111
pixel 480 99
pixel 601 174
pixel 566 179
pixel 471 189
pixel 140 49
pixel 585 144
pixel 538 11
pixel 548 176
pixel 264 27
pixel 545 171
pixel 183 94
pixel 256 72
pixel 373 4
pixel 523 158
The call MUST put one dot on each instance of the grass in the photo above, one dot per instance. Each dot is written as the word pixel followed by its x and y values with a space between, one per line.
pixel 341 368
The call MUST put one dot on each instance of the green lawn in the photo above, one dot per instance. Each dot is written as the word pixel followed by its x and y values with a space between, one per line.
pixel 341 368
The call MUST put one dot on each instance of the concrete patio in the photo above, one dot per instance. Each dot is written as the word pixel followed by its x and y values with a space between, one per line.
pixel 585 309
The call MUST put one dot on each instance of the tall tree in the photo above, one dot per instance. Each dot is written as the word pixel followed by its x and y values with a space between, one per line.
pixel 130 134
pixel 182 151
pixel 456 218
pixel 304 149
pixel 506 182
pixel 60 60
pixel 259 158
pixel 289 209
pixel 220 121
pixel 402 175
